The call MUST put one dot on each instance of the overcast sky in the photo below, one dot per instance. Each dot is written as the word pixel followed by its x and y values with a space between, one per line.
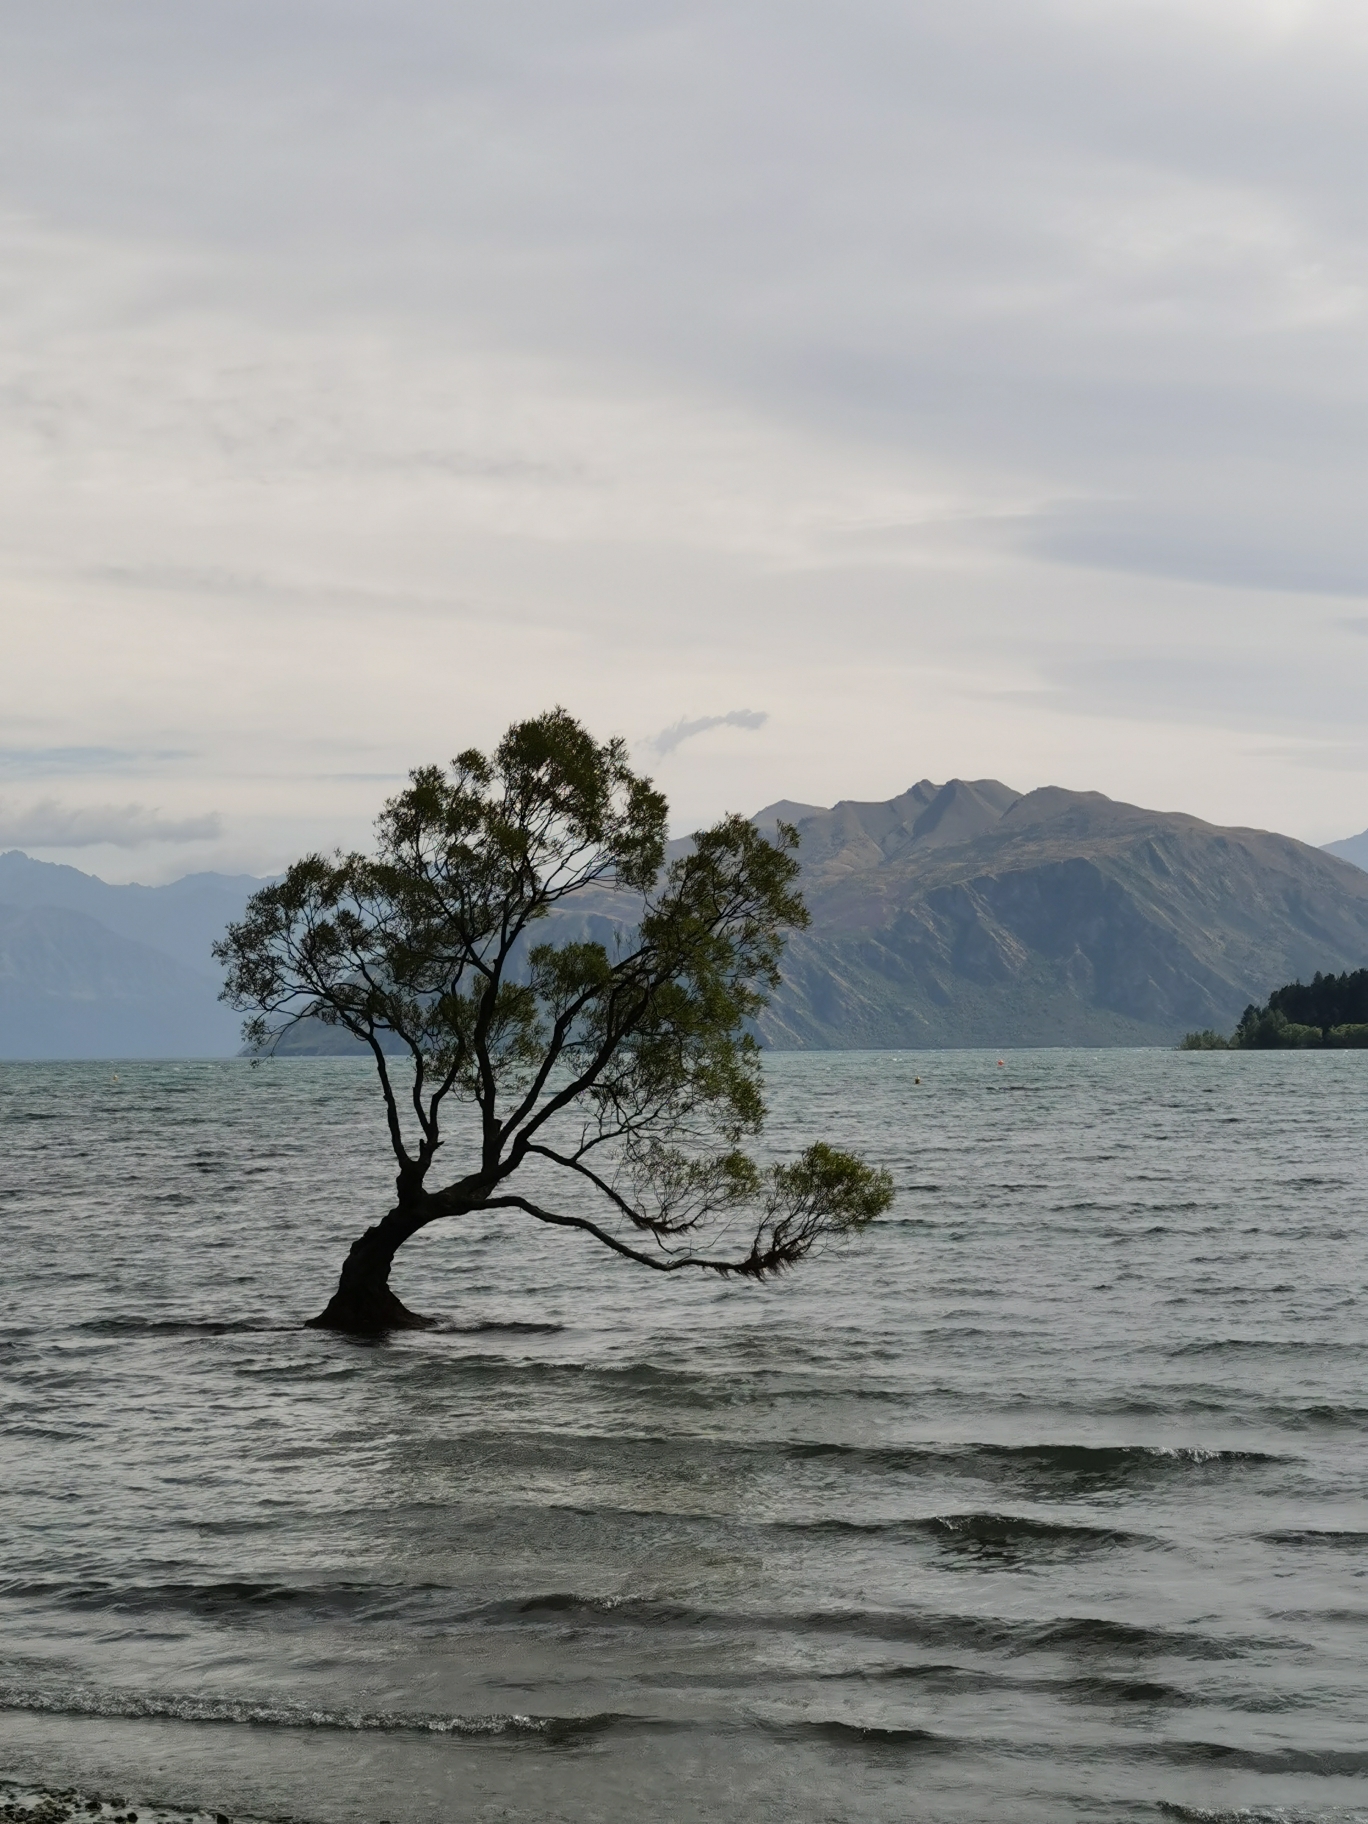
pixel 821 396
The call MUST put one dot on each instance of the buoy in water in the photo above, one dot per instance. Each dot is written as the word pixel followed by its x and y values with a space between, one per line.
pixel 1001 1066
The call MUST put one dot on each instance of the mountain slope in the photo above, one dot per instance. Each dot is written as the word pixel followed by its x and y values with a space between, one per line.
pixel 1351 848
pixel 90 970
pixel 956 914
pixel 182 919
pixel 72 988
pixel 968 914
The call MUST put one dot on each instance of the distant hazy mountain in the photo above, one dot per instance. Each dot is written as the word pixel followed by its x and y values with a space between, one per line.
pixel 1351 848
pixel 182 919
pixel 960 914
pixel 89 970
pixel 72 988
pixel 967 914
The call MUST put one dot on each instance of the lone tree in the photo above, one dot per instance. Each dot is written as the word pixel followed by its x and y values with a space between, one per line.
pixel 611 1083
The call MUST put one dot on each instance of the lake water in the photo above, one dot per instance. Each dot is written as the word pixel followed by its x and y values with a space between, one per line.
pixel 1046 1500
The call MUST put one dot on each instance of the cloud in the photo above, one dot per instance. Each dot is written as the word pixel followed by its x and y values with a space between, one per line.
pixel 669 738
pixel 1218 542
pixel 49 825
pixel 368 390
pixel 30 762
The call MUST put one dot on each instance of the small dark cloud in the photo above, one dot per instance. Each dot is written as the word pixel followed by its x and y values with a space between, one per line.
pixel 1319 756
pixel 49 825
pixel 1158 539
pixel 182 579
pixel 1277 695
pixel 30 762
pixel 684 730
pixel 364 778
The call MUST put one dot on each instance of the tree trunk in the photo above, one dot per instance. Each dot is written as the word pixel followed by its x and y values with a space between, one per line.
pixel 363 1304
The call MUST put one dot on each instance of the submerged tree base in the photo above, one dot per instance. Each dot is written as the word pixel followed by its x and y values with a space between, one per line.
pixel 370 1313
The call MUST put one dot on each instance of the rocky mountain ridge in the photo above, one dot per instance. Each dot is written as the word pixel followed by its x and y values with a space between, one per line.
pixel 964 913
pixel 968 913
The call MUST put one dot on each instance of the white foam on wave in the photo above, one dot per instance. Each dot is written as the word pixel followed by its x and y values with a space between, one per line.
pixel 74 1700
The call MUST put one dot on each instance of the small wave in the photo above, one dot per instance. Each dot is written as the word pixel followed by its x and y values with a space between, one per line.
pixel 508 1327
pixel 228 1601
pixel 1126 1691
pixel 862 1735
pixel 181 1326
pixel 701 1389
pixel 637 1611
pixel 1151 1405
pixel 1325 1763
pixel 926 1628
pixel 49 1432
pixel 1308 1418
pixel 935 1675
pixel 1260 1814
pixel 1037 1472
pixel 1096 1689
pixel 1017 1531
pixel 219 1600
pixel 981 1532
pixel 1063 1465
pixel 647 1614
pixel 1332 1539
pixel 1264 1345
pixel 1103 1634
pixel 75 1701
pixel 1335 1618
pixel 137 1706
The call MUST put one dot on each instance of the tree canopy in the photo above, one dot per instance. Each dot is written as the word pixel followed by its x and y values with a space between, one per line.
pixel 523 939
pixel 1329 1012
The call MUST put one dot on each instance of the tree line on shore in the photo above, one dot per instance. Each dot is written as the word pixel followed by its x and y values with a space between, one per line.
pixel 1328 1013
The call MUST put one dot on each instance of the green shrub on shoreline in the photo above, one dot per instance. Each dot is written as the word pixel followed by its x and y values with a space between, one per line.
pixel 1330 1013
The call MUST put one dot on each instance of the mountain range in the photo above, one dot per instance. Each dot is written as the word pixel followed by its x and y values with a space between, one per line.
pixel 958 914
pixel 90 970
pixel 971 914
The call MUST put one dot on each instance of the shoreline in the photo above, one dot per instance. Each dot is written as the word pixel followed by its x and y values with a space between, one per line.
pixel 26 1802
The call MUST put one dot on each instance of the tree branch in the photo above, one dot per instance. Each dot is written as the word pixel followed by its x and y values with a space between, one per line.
pixel 653 1225
pixel 662 1263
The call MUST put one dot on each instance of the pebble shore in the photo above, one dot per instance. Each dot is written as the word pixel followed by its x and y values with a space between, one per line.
pixel 21 1804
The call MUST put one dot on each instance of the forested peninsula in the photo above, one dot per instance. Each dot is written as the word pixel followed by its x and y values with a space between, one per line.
pixel 1328 1013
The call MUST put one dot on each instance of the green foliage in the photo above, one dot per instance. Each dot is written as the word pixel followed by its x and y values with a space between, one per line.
pixel 1328 1013
pixel 1269 1029
pixel 1326 1002
pixel 622 1066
